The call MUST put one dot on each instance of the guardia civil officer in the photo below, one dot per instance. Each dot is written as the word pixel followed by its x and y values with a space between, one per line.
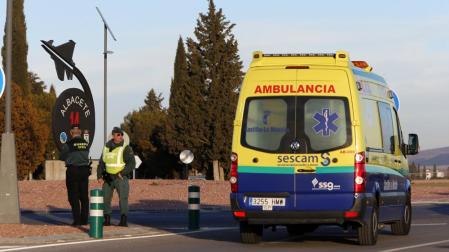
pixel 75 153
pixel 116 164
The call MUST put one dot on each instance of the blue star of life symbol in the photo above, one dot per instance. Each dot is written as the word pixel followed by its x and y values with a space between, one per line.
pixel 325 122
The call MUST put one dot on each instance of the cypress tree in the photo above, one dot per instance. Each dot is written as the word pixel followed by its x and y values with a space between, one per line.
pixel 153 102
pixel 19 48
pixel 185 128
pixel 222 75
pixel 51 151
pixel 177 109
pixel 196 109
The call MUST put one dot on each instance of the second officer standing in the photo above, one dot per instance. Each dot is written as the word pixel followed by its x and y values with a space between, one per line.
pixel 75 153
pixel 115 167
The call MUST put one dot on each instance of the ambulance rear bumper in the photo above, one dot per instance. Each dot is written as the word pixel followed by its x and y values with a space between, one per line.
pixel 358 213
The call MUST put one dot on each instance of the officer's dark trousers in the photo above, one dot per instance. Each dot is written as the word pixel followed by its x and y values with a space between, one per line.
pixel 77 182
pixel 122 187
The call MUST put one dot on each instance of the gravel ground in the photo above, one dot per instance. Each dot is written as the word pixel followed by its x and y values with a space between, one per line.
pixel 430 190
pixel 144 194
pixel 154 195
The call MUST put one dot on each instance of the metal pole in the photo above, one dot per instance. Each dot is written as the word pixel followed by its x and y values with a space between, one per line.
pixel 9 191
pixel 105 52
pixel 194 207
pixel 8 67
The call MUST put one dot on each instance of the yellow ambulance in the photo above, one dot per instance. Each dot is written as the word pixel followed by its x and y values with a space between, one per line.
pixel 317 141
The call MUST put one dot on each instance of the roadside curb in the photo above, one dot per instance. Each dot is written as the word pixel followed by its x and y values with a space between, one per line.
pixel 164 210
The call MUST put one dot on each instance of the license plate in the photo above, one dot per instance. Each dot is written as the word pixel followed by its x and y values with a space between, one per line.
pixel 267 203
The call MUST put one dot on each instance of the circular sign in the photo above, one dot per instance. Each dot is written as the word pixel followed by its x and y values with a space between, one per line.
pixel 186 156
pixel 2 81
pixel 125 138
pixel 72 108
pixel 63 137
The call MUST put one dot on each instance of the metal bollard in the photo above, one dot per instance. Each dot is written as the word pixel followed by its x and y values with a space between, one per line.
pixel 194 207
pixel 96 213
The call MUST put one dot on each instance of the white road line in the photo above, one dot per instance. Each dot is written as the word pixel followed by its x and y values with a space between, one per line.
pixel 119 239
pixel 416 246
pixel 8 247
pixel 429 202
pixel 430 224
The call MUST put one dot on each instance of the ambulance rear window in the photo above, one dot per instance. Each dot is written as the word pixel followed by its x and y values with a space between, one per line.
pixel 267 122
pixel 275 124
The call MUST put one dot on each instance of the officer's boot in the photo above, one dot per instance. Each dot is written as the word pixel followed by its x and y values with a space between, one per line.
pixel 107 220
pixel 123 221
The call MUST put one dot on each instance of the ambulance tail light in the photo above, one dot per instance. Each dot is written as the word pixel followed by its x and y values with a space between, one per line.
pixel 239 214
pixel 351 214
pixel 359 173
pixel 234 173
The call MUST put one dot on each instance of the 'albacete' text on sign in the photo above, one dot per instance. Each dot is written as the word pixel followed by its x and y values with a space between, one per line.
pixel 78 101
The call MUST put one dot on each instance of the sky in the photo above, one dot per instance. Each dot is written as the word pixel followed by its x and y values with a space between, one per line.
pixel 407 42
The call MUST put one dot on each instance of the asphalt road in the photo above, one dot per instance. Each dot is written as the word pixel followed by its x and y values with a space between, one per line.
pixel 430 232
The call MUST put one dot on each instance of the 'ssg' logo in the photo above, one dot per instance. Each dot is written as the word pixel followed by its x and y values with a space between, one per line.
pixel 324 185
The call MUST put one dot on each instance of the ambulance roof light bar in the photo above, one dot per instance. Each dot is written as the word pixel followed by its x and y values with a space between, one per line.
pixel 337 55
pixel 363 65
pixel 341 57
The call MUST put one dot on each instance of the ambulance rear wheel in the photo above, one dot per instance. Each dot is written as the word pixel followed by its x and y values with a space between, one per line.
pixel 368 232
pixel 249 233
pixel 402 227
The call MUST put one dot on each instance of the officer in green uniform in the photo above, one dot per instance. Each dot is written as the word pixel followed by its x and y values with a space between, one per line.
pixel 114 169
pixel 75 153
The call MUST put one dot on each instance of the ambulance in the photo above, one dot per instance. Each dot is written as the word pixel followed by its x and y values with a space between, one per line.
pixel 317 141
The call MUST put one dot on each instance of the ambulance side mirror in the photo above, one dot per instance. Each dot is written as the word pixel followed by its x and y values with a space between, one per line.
pixel 413 144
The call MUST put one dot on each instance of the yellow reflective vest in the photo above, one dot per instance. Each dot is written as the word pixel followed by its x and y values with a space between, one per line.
pixel 113 160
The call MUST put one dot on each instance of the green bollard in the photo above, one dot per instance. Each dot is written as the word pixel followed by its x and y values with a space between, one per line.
pixel 96 214
pixel 194 207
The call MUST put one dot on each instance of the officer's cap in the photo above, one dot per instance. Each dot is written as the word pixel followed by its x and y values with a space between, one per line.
pixel 117 130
